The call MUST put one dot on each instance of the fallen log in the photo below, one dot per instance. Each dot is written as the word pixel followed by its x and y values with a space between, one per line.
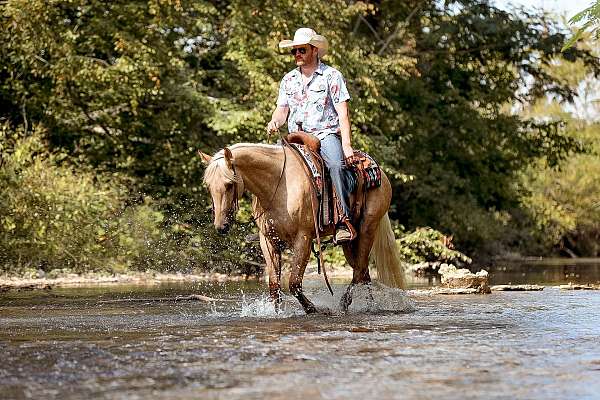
pixel 192 297
pixel 571 286
pixel 445 291
pixel 516 288
pixel 21 288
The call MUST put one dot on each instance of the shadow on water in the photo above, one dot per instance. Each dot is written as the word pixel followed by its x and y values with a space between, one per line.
pixel 550 271
pixel 119 342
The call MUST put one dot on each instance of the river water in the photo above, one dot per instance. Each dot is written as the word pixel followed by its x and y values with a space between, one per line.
pixel 100 342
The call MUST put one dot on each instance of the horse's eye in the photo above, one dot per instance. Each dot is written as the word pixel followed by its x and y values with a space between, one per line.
pixel 228 185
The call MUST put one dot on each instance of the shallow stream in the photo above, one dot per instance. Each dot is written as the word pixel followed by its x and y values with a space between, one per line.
pixel 97 342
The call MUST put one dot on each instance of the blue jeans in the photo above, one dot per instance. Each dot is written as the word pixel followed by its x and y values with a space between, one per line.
pixel 341 177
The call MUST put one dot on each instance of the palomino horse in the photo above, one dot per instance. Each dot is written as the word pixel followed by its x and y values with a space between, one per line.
pixel 283 211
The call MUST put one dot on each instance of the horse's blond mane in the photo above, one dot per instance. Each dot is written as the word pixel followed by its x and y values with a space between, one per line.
pixel 218 173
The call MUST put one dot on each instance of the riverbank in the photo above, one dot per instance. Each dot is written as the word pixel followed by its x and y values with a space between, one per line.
pixel 547 274
pixel 134 278
pixel 147 278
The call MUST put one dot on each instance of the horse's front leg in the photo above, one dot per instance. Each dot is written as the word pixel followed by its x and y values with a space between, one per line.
pixel 273 259
pixel 301 250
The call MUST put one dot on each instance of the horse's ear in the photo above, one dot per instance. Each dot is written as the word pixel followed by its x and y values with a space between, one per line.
pixel 206 159
pixel 228 157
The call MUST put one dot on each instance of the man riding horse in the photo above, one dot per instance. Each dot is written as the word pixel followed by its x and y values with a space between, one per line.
pixel 314 99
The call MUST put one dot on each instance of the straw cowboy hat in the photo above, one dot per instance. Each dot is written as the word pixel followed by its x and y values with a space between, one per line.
pixel 307 36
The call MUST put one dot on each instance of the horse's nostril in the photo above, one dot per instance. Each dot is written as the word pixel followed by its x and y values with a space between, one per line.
pixel 223 228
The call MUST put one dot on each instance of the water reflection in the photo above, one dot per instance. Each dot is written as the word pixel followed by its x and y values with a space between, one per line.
pixel 541 272
pixel 547 272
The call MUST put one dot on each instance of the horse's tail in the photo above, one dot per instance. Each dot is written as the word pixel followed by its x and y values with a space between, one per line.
pixel 386 256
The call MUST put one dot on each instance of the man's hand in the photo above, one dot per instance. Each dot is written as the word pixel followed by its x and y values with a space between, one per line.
pixel 348 151
pixel 278 119
pixel 273 126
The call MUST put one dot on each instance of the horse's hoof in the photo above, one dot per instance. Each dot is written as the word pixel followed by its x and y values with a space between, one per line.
pixel 346 299
pixel 310 309
pixel 277 300
pixel 325 311
pixel 345 302
pixel 319 311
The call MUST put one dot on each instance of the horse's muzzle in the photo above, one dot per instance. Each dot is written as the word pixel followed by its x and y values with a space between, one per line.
pixel 223 229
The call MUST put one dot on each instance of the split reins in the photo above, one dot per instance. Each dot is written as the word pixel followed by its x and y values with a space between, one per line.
pixel 315 207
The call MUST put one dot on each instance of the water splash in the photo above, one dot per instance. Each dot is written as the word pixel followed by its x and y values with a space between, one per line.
pixel 371 298
pixel 264 307
pixel 377 297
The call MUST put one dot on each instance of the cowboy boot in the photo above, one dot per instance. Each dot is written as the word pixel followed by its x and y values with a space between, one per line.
pixel 344 232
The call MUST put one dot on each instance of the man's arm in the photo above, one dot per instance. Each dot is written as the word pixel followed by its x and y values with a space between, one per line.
pixel 278 119
pixel 344 118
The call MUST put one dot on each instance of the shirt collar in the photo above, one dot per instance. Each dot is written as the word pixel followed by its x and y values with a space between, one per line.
pixel 320 69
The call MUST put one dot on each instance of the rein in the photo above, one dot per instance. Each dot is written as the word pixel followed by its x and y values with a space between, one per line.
pixel 265 209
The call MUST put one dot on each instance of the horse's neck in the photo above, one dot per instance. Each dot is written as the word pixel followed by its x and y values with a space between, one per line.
pixel 260 166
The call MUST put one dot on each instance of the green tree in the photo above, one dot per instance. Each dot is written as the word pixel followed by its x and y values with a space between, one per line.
pixel 457 138
pixel 590 17
pixel 564 201
pixel 119 85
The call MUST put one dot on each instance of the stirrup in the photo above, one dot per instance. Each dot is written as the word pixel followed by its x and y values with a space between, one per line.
pixel 345 233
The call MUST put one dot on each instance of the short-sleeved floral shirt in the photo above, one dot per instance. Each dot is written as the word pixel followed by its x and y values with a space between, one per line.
pixel 313 106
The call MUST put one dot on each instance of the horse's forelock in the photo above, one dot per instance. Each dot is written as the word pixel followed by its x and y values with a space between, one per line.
pixel 218 173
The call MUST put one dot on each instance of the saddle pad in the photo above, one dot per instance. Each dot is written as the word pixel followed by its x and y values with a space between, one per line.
pixel 364 165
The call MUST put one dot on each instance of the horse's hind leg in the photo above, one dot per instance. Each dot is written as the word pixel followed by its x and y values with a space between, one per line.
pixel 301 252
pixel 349 252
pixel 273 259
pixel 357 255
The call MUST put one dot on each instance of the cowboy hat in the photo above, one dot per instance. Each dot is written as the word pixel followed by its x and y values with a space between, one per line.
pixel 307 36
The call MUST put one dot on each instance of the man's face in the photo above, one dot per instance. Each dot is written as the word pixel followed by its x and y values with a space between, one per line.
pixel 304 55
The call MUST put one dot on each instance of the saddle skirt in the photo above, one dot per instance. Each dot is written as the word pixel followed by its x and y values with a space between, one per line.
pixel 366 175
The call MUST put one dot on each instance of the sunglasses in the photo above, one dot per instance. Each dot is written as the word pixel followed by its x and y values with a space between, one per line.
pixel 302 50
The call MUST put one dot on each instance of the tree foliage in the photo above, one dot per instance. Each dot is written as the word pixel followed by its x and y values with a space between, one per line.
pixel 133 88
pixel 590 19
pixel 564 201
pixel 457 138
pixel 118 84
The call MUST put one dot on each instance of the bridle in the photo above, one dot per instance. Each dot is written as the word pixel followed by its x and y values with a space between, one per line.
pixel 237 193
